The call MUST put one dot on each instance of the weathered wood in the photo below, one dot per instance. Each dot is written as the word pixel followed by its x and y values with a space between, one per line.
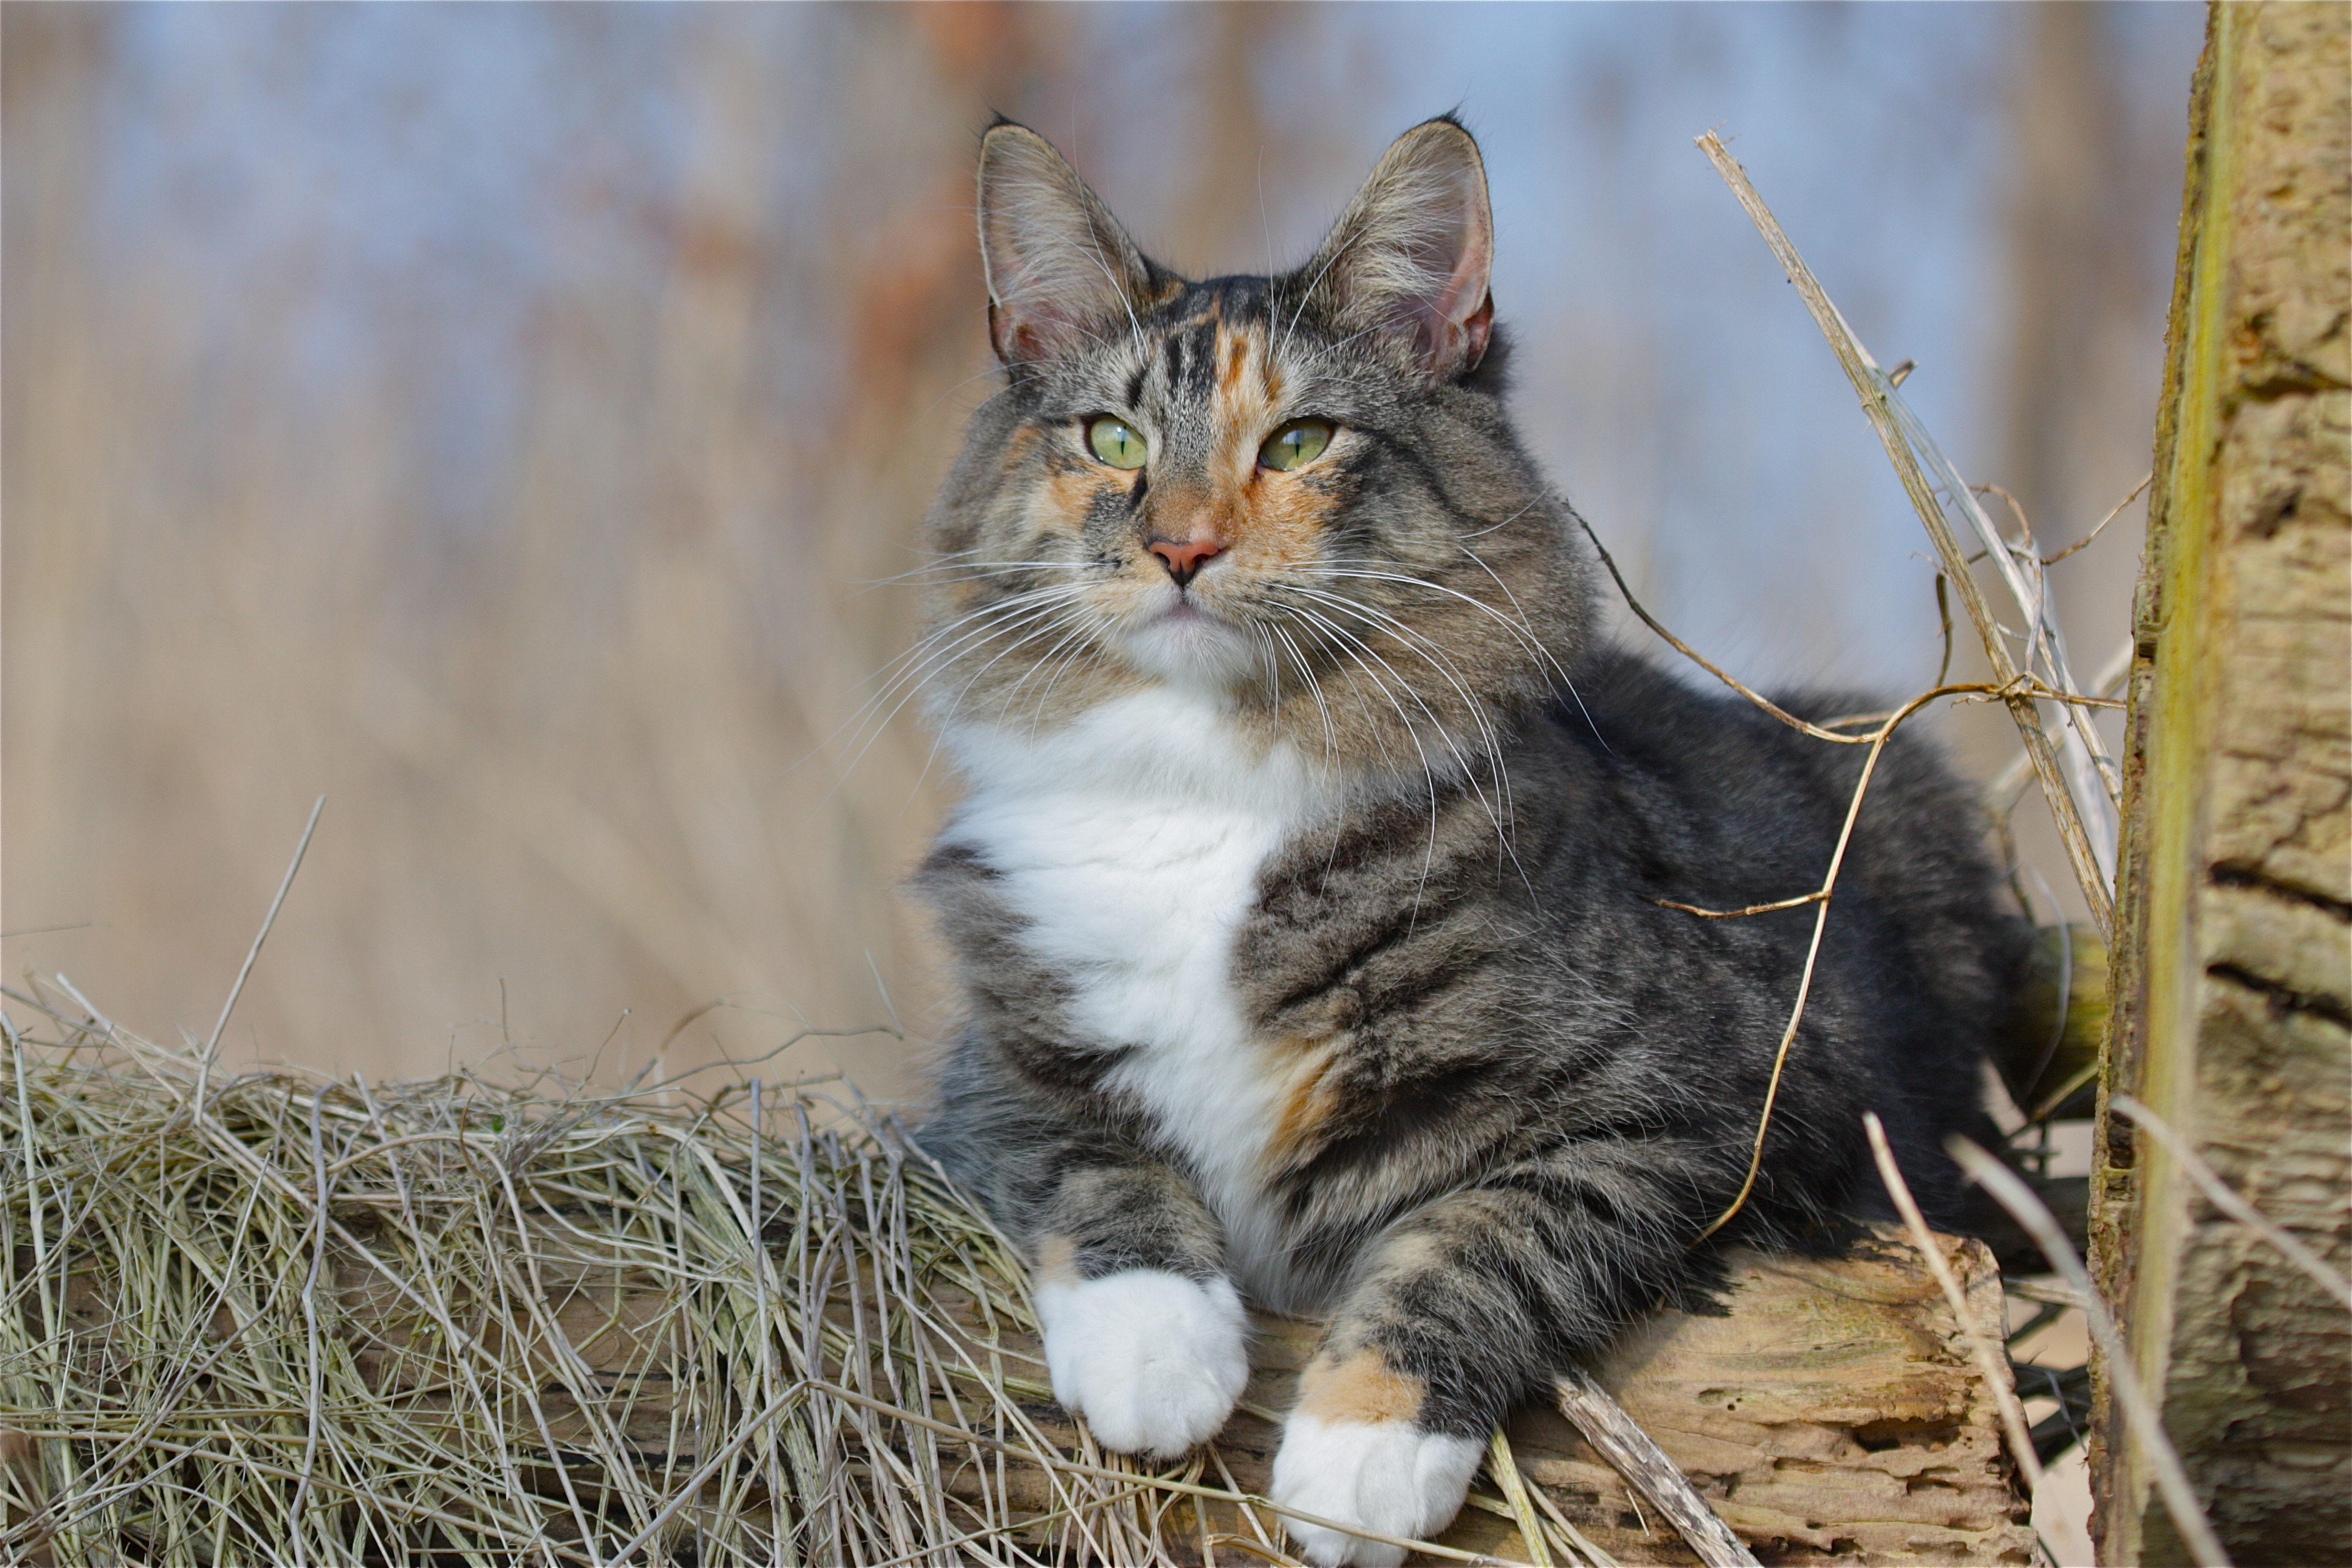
pixel 2232 963
pixel 1832 1413
pixel 1618 1438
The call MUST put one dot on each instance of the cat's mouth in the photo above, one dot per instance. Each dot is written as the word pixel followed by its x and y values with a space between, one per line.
pixel 1184 638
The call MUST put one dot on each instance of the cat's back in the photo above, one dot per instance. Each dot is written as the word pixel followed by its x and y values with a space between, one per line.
pixel 1699 798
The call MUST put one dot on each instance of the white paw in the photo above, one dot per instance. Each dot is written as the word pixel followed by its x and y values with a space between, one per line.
pixel 1388 1476
pixel 1152 1360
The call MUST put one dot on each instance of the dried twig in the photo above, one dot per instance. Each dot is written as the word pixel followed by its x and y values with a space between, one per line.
pixel 1944 617
pixel 2000 795
pixel 211 1042
pixel 1619 1439
pixel 2101 526
pixel 1913 454
pixel 1680 646
pixel 1875 739
pixel 2025 684
pixel 2139 1414
pixel 1820 898
pixel 1504 1467
pixel 1991 1361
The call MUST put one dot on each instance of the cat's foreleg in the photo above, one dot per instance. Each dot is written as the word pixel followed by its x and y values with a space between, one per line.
pixel 1363 1445
pixel 1462 1309
pixel 1144 1334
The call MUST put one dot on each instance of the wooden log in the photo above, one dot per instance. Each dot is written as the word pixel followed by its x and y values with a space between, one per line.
pixel 2232 962
pixel 1831 1413
pixel 1828 1411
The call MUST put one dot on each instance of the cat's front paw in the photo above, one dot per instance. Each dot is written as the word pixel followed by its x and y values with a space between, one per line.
pixel 1388 1476
pixel 1154 1361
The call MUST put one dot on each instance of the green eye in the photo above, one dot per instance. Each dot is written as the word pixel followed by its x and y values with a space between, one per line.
pixel 1301 441
pixel 1115 441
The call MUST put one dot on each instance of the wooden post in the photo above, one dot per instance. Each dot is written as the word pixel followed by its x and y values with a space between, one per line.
pixel 2232 961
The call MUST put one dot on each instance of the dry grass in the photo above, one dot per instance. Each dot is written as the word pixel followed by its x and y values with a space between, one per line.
pixel 279 1319
pixel 275 1318
pixel 562 678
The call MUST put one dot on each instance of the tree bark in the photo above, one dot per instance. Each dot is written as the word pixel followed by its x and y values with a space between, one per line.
pixel 2233 953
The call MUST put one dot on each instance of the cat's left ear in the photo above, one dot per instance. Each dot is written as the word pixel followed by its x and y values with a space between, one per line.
pixel 1408 261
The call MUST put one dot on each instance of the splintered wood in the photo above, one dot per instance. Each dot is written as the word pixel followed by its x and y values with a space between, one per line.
pixel 1831 1414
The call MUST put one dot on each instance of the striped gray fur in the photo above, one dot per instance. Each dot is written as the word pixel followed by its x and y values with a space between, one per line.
pixel 1537 1084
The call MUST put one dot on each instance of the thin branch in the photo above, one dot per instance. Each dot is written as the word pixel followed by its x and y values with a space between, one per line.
pixel 1593 1554
pixel 1819 895
pixel 1619 1439
pixel 1991 1358
pixel 2226 1198
pixel 211 1044
pixel 2016 509
pixel 2139 1414
pixel 1503 1466
pixel 1999 797
pixel 2102 526
pixel 1757 697
pixel 1877 739
pixel 1944 614
pixel 1888 416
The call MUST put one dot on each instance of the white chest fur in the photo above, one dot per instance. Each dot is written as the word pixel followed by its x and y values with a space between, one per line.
pixel 1131 842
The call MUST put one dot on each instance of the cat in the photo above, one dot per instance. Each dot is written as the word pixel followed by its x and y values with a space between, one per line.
pixel 1308 892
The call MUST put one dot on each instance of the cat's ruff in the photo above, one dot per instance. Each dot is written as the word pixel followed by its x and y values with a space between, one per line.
pixel 1152 1360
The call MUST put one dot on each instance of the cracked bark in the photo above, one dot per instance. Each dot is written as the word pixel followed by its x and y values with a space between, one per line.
pixel 2233 966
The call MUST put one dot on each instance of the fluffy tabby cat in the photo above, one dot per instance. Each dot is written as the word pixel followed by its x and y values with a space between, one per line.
pixel 1306 894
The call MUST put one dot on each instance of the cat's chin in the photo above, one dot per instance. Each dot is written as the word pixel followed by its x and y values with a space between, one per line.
pixel 1191 645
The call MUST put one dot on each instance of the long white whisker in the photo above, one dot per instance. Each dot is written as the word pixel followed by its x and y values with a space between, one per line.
pixel 925 651
pixel 1524 633
pixel 1347 643
pixel 1315 689
pixel 1497 808
pixel 1052 619
pixel 1415 642
pixel 1078 633
pixel 908 681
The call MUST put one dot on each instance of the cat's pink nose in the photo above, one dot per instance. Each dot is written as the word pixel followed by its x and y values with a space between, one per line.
pixel 1184 557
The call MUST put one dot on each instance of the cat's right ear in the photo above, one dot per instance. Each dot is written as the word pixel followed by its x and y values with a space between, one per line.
pixel 1060 270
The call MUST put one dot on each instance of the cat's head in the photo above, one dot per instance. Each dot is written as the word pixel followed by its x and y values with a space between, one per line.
pixel 1299 492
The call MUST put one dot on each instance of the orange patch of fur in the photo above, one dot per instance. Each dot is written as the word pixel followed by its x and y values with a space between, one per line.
pixel 1065 498
pixel 1359 1386
pixel 1275 519
pixel 1016 450
pixel 1309 1104
pixel 1236 349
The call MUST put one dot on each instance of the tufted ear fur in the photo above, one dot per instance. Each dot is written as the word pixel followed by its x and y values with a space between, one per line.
pixel 1408 261
pixel 1060 268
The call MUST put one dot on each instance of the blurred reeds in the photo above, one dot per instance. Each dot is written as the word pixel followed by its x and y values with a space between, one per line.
pixel 571 736
pixel 533 524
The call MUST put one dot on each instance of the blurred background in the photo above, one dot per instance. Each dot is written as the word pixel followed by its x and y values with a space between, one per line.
pixel 504 420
